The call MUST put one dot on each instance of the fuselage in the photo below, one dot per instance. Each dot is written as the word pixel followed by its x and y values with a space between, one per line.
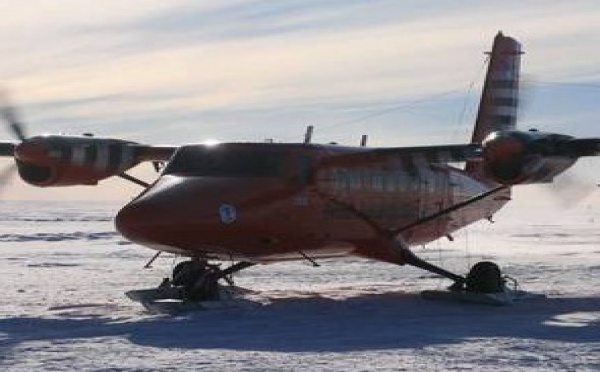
pixel 265 202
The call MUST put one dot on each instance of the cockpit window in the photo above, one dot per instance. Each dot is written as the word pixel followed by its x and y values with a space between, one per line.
pixel 224 161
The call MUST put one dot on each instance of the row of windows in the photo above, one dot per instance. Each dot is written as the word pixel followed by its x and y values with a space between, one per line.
pixel 373 210
pixel 382 181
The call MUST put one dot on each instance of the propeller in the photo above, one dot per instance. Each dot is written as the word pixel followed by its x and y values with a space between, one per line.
pixel 571 188
pixel 6 174
pixel 16 128
pixel 10 117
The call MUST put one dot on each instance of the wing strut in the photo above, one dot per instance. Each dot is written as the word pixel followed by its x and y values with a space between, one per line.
pixel 133 179
pixel 450 209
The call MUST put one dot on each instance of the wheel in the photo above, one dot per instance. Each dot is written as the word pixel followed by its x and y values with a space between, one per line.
pixel 186 273
pixel 198 279
pixel 205 288
pixel 485 277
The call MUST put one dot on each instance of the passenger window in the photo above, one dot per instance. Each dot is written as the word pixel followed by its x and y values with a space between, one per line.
pixel 305 170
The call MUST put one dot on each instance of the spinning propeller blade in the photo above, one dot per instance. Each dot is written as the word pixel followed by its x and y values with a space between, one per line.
pixel 7 174
pixel 7 149
pixel 14 125
pixel 9 115
pixel 571 189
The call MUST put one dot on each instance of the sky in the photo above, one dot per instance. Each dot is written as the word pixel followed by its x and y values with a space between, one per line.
pixel 404 72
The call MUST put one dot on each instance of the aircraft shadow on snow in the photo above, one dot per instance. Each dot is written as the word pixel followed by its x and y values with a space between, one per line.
pixel 366 322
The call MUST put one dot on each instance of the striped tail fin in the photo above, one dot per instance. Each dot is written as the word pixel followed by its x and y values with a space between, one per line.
pixel 500 96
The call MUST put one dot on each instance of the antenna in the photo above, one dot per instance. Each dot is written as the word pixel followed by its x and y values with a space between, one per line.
pixel 308 134
pixel 363 140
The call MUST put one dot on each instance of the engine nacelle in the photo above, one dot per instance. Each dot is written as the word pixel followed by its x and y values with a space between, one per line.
pixel 63 175
pixel 73 160
pixel 515 157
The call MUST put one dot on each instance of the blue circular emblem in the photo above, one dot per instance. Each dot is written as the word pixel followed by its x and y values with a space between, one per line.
pixel 228 213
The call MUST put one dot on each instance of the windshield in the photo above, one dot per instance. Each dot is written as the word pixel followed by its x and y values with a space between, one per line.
pixel 226 161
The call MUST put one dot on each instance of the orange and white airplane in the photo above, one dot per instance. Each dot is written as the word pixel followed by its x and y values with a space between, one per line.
pixel 257 203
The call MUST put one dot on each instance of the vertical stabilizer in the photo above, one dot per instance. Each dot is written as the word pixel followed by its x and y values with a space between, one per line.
pixel 500 96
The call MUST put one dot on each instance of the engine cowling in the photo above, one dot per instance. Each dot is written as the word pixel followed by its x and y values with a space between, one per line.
pixel 73 160
pixel 515 157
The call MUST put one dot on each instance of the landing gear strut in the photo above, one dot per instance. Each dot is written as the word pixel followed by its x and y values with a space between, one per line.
pixel 193 282
pixel 198 280
pixel 484 277
pixel 484 284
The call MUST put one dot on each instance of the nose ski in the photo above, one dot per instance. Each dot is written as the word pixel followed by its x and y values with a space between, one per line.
pixel 194 285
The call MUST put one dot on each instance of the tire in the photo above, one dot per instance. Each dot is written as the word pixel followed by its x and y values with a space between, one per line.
pixel 187 272
pixel 485 277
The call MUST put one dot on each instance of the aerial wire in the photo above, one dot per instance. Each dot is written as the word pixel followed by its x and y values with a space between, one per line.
pixel 466 101
pixel 567 84
pixel 386 111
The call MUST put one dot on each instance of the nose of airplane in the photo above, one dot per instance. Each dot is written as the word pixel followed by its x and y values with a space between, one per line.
pixel 154 216
pixel 182 213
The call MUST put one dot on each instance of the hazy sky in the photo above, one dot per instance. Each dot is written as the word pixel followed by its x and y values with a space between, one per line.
pixel 404 72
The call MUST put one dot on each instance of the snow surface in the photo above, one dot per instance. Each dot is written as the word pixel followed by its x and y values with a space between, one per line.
pixel 64 272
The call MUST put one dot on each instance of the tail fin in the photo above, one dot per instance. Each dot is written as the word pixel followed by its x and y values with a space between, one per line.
pixel 500 96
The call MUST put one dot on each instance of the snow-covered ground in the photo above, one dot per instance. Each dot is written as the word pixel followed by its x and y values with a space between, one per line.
pixel 64 270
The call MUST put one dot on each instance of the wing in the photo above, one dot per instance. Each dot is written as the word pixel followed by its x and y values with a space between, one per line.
pixel 422 154
pixel 507 157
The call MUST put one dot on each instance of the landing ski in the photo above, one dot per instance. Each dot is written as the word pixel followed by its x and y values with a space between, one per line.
pixel 505 298
pixel 170 300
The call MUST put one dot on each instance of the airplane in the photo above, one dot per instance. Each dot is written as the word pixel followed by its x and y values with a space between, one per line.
pixel 262 203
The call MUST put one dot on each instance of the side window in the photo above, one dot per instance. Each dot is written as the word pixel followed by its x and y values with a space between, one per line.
pixel 377 181
pixel 305 170
pixel 355 179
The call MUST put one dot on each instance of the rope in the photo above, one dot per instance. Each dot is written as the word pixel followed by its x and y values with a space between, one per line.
pixel 395 108
pixel 470 88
